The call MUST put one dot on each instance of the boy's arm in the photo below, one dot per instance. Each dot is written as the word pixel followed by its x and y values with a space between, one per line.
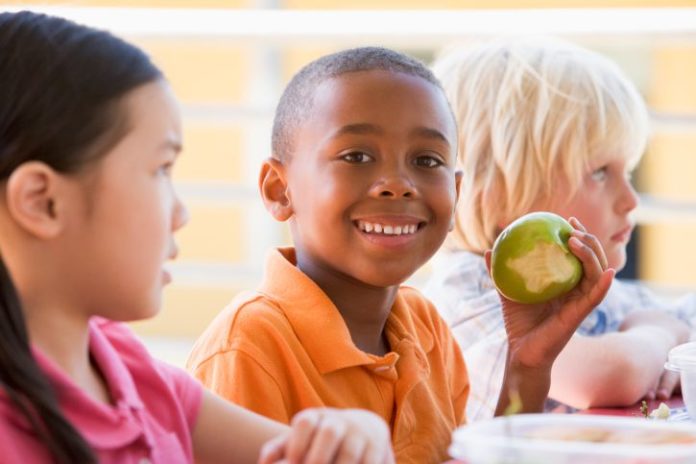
pixel 538 333
pixel 620 368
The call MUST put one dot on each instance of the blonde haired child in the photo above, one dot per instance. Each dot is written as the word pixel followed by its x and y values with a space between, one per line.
pixel 547 125
pixel 363 169
pixel 89 133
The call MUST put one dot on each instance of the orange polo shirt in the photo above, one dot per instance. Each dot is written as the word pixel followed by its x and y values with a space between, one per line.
pixel 286 347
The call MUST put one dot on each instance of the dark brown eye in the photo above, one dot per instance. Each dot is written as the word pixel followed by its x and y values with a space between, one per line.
pixel 356 157
pixel 427 161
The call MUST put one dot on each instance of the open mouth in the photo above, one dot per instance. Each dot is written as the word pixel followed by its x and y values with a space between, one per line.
pixel 389 229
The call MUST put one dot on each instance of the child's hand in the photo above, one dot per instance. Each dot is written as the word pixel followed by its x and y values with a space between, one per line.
pixel 332 436
pixel 667 385
pixel 537 333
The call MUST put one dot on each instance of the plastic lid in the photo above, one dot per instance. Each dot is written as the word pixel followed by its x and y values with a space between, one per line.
pixel 521 438
pixel 681 357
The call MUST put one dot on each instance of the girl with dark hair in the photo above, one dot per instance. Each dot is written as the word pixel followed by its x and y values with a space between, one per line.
pixel 89 133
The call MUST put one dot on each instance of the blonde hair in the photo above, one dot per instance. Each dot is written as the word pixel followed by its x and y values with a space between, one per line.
pixel 531 114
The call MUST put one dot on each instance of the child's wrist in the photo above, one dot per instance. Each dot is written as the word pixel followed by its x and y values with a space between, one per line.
pixel 531 384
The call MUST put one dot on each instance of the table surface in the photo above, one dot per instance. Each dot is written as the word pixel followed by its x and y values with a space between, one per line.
pixel 676 405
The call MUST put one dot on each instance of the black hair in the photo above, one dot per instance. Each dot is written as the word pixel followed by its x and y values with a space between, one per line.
pixel 297 99
pixel 61 88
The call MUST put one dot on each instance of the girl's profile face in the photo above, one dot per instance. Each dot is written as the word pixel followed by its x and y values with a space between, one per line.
pixel 124 233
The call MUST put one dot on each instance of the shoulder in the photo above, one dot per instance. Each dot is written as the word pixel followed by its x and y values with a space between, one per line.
pixel 170 395
pixel 248 312
pixel 142 367
pixel 417 301
pixel 18 441
pixel 251 318
pixel 422 311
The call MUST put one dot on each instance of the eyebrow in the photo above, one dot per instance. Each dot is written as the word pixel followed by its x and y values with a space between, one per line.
pixel 358 129
pixel 365 128
pixel 429 133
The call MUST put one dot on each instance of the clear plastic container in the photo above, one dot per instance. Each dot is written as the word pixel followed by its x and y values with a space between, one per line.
pixel 574 439
pixel 682 359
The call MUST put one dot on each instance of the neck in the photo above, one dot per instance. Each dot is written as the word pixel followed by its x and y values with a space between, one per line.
pixel 63 337
pixel 364 308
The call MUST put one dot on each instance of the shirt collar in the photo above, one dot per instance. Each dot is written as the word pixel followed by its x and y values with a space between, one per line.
pixel 118 377
pixel 403 325
pixel 104 426
pixel 318 323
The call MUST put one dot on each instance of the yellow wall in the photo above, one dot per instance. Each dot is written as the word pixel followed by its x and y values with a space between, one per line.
pixel 669 169
pixel 211 76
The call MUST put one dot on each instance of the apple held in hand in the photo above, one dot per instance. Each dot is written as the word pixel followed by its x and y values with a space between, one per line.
pixel 531 262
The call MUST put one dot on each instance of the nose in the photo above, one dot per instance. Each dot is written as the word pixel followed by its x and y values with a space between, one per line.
pixel 180 214
pixel 628 198
pixel 394 184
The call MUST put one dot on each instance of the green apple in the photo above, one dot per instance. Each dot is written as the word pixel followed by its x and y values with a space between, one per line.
pixel 531 262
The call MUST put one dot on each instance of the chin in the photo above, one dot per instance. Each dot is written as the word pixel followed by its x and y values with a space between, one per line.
pixel 146 311
pixel 617 262
pixel 385 279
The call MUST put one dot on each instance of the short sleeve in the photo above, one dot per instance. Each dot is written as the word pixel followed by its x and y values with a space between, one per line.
pixel 187 389
pixel 238 377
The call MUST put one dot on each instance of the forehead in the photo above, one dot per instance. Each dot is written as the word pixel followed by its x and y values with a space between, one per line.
pixel 153 118
pixel 152 107
pixel 393 101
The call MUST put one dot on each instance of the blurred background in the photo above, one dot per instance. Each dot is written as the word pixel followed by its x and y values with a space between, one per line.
pixel 228 62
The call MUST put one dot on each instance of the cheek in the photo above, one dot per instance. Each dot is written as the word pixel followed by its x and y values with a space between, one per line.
pixel 588 208
pixel 444 200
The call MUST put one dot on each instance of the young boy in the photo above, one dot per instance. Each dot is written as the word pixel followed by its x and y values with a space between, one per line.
pixel 548 125
pixel 363 163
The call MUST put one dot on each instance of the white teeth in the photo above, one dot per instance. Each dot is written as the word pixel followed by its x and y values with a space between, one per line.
pixel 371 227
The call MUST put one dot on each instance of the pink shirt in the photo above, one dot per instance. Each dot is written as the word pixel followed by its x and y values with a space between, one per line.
pixel 151 419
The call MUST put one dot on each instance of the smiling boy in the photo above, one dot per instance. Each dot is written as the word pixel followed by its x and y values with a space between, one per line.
pixel 363 163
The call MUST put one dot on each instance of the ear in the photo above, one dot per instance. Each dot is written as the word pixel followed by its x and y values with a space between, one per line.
pixel 31 199
pixel 274 189
pixel 457 185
